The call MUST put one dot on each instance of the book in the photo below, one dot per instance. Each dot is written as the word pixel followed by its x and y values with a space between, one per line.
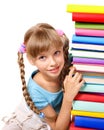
pixel 93 97
pixel 94 79
pixel 88 17
pixel 89 25
pixel 73 127
pixel 89 47
pixel 88 106
pixel 89 67
pixel 89 32
pixel 89 122
pixel 85 8
pixel 88 61
pixel 88 40
pixel 92 73
pixel 86 54
pixel 94 88
pixel 87 113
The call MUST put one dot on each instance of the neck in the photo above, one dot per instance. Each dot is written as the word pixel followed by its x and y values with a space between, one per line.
pixel 51 85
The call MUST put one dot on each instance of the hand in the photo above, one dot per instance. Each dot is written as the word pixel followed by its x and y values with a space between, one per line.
pixel 72 84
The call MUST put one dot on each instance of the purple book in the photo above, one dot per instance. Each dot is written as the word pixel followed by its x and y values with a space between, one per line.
pixel 88 60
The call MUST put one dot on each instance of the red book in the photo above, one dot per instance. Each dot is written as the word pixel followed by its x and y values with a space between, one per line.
pixel 92 97
pixel 88 17
pixel 73 127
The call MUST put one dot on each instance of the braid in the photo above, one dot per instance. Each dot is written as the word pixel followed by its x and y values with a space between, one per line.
pixel 24 88
pixel 67 64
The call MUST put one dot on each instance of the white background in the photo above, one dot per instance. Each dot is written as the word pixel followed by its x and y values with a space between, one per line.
pixel 16 16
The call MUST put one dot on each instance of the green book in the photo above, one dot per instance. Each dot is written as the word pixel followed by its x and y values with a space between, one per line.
pixel 99 26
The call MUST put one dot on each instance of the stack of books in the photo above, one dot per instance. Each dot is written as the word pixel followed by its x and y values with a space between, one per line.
pixel 87 52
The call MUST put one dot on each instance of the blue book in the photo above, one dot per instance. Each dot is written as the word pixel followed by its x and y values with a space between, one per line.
pixel 88 106
pixel 88 40
pixel 88 87
pixel 89 122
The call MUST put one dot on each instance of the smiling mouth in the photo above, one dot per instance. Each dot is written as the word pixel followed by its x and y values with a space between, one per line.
pixel 54 70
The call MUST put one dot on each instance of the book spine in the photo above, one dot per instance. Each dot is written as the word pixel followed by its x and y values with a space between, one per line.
pixel 89 32
pixel 89 68
pixel 88 106
pixel 87 25
pixel 88 40
pixel 88 60
pixel 87 17
pixel 73 127
pixel 87 113
pixel 89 122
pixel 87 54
pixel 88 47
pixel 90 97
pixel 95 88
pixel 85 8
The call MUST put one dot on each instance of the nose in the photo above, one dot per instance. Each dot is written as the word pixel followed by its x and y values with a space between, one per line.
pixel 52 61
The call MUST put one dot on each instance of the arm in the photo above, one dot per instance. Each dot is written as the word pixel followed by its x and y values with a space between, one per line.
pixel 72 85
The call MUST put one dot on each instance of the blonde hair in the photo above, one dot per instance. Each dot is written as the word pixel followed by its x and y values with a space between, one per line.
pixel 37 39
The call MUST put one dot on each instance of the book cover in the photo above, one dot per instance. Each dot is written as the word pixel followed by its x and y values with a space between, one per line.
pixel 89 67
pixel 89 25
pixel 92 97
pixel 94 79
pixel 87 113
pixel 88 61
pixel 89 32
pixel 89 122
pixel 85 8
pixel 88 106
pixel 94 88
pixel 88 17
pixel 88 40
pixel 88 47
pixel 91 73
pixel 73 127
pixel 87 54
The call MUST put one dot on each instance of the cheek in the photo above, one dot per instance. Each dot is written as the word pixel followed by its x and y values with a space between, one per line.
pixel 61 60
pixel 41 65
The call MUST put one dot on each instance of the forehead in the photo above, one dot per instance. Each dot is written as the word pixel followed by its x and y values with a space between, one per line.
pixel 51 50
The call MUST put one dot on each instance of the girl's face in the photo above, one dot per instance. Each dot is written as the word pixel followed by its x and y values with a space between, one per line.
pixel 50 63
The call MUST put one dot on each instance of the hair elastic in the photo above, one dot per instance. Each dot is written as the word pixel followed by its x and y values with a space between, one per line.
pixel 60 32
pixel 41 115
pixel 22 48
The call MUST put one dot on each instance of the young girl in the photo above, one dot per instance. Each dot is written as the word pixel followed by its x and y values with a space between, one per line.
pixel 51 88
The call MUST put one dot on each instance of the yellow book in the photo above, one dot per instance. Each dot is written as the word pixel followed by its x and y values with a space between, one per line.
pixel 88 113
pixel 85 8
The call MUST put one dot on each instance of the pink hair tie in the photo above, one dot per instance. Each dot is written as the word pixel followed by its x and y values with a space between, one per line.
pixel 60 32
pixel 22 48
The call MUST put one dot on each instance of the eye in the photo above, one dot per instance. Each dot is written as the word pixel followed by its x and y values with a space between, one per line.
pixel 57 52
pixel 42 58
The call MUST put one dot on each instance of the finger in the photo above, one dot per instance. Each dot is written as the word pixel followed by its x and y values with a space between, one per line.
pixel 82 82
pixel 71 72
pixel 77 77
